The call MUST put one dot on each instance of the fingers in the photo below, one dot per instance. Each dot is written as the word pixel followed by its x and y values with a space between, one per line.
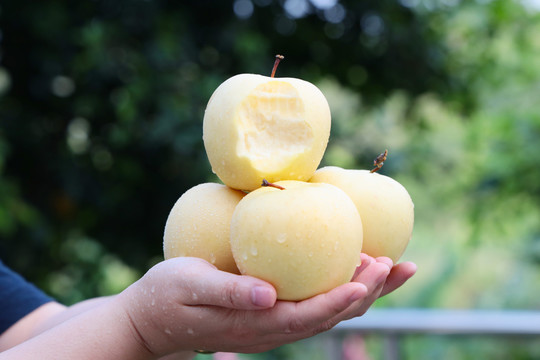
pixel 324 311
pixel 376 277
pixel 285 322
pixel 373 274
pixel 373 277
pixel 385 260
pixel 319 313
pixel 399 274
pixel 380 277
pixel 298 320
pixel 203 284
pixel 365 260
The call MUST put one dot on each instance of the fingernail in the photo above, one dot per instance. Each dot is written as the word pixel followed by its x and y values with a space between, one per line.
pixel 262 296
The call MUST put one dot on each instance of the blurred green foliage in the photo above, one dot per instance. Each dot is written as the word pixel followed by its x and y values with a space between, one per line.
pixel 101 107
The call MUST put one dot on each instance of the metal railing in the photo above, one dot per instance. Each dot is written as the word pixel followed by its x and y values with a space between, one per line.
pixel 393 324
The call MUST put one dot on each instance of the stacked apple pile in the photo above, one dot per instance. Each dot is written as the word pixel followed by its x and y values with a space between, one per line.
pixel 277 217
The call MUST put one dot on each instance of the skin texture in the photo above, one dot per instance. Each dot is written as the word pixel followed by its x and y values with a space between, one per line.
pixel 183 304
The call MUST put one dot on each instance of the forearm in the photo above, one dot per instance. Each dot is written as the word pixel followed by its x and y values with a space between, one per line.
pixel 101 332
pixel 42 319
pixel 69 312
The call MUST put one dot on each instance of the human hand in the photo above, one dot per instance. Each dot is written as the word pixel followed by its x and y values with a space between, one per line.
pixel 186 304
pixel 381 277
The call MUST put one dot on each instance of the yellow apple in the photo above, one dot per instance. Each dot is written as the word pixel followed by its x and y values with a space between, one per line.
pixel 258 127
pixel 305 239
pixel 385 206
pixel 198 225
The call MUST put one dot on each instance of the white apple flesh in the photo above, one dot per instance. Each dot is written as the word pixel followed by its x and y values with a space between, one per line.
pixel 304 240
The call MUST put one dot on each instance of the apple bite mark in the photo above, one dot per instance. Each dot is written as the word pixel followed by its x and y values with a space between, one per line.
pixel 272 126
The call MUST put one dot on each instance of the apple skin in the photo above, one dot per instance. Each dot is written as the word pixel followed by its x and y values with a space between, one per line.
pixel 385 206
pixel 198 225
pixel 304 240
pixel 257 127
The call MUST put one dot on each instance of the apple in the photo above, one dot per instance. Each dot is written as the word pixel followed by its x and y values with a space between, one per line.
pixel 199 223
pixel 303 238
pixel 385 206
pixel 258 127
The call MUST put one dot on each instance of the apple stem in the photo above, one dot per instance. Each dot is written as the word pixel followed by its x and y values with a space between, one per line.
pixel 267 183
pixel 276 63
pixel 379 161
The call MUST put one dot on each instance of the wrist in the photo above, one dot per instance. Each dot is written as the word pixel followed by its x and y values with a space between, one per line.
pixel 145 335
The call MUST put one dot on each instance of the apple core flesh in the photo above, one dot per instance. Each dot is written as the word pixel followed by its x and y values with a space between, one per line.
pixel 304 240
pixel 385 206
pixel 198 225
pixel 257 127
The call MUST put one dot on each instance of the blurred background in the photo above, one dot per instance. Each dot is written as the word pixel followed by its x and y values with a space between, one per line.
pixel 101 106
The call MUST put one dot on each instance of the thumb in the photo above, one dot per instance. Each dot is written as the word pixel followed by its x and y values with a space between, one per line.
pixel 209 286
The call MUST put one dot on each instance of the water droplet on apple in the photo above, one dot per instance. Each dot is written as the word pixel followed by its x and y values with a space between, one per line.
pixel 310 254
pixel 212 258
pixel 194 296
pixel 254 251
pixel 281 238
pixel 153 302
pixel 244 256
pixel 168 331
pixel 190 331
pixel 153 290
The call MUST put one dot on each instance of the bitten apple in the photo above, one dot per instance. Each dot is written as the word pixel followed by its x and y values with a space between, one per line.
pixel 303 238
pixel 257 127
pixel 385 206
pixel 198 225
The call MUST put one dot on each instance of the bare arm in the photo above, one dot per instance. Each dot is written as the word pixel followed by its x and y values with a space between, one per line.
pixel 44 318
pixel 52 314
pixel 102 332
pixel 26 327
